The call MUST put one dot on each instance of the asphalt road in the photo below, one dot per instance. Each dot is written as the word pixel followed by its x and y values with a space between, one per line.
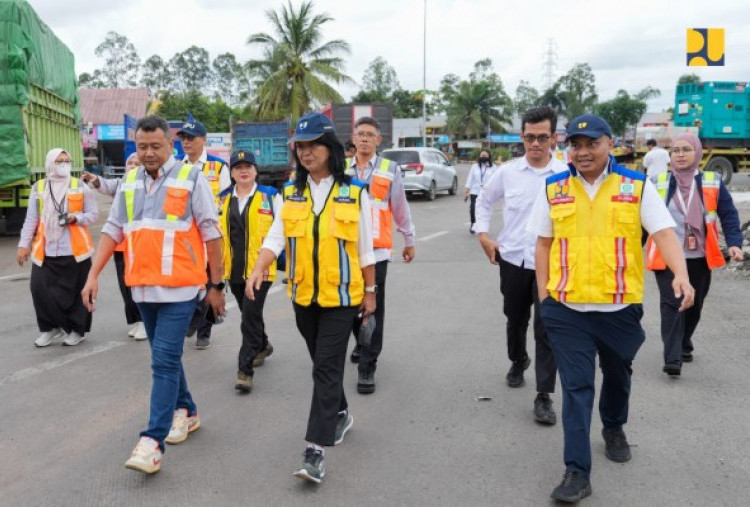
pixel 71 416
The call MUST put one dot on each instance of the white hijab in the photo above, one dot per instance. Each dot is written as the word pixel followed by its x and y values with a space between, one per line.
pixel 59 184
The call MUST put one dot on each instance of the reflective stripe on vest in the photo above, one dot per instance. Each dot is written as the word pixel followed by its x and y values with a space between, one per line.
pixel 260 217
pixel 166 248
pixel 710 185
pixel 379 186
pixel 81 243
pixel 212 172
pixel 596 251
pixel 322 252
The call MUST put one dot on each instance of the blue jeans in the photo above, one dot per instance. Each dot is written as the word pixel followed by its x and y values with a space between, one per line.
pixel 576 339
pixel 166 326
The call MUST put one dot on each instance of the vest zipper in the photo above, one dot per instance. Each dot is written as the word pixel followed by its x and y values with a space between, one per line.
pixel 316 263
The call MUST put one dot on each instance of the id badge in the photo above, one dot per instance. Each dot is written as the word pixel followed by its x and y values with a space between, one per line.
pixel 692 243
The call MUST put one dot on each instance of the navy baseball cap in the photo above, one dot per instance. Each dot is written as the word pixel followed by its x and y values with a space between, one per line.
pixel 588 125
pixel 240 156
pixel 193 128
pixel 312 126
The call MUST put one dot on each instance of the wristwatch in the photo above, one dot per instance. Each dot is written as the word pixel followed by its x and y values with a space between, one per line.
pixel 372 289
pixel 219 286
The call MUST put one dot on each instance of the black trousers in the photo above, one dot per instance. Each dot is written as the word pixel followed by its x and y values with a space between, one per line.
pixel 200 323
pixel 677 327
pixel 518 286
pixel 369 357
pixel 131 309
pixel 472 208
pixel 56 288
pixel 326 332
pixel 254 338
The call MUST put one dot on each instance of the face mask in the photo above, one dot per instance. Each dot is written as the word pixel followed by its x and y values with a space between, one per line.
pixel 484 160
pixel 63 169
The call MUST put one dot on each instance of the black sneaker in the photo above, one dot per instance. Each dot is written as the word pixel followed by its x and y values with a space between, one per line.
pixel 672 369
pixel 356 354
pixel 543 412
pixel 572 489
pixel 366 382
pixel 515 374
pixel 687 357
pixel 343 425
pixel 616 446
pixel 313 466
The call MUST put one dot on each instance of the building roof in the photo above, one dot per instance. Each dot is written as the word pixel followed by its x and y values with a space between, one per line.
pixel 655 119
pixel 103 106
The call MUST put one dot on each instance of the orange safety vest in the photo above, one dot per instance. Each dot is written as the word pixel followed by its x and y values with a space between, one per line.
pixel 710 190
pixel 165 248
pixel 80 237
pixel 380 194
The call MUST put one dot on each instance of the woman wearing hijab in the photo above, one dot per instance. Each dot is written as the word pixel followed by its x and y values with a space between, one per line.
pixel 60 210
pixel 109 187
pixel 695 199
pixel 479 174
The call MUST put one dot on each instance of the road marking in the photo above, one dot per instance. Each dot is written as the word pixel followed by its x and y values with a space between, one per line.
pixel 12 278
pixel 433 236
pixel 56 363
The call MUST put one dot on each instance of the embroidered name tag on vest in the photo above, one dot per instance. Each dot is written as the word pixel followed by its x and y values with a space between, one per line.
pixel 345 200
pixel 563 200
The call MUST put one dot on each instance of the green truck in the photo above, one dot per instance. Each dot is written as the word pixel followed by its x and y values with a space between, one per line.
pixel 38 106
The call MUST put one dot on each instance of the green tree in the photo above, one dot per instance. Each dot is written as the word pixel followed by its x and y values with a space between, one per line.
pixel 624 111
pixel 379 80
pixel 121 61
pixel 578 90
pixel 156 75
pixel 228 74
pixel 214 114
pixel 191 69
pixel 445 92
pixel 86 80
pixel 408 104
pixel 302 64
pixel 552 97
pixel 526 97
pixel 689 79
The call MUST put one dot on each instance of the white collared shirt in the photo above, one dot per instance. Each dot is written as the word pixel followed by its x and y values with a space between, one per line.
pixel 242 201
pixel 225 180
pixel 656 162
pixel 479 177
pixel 654 218
pixel 518 184
pixel 275 241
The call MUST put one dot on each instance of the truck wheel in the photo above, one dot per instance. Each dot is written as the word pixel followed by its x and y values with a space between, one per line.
pixel 721 166
pixel 454 187
pixel 432 192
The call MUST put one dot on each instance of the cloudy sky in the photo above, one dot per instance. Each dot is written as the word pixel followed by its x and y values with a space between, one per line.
pixel 629 44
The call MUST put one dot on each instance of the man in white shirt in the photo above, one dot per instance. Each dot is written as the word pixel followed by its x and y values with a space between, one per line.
pixel 518 183
pixel 656 160
pixel 589 269
pixel 479 174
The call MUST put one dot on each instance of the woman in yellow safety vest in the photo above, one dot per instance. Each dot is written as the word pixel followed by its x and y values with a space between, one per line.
pixel 325 222
pixel 695 199
pixel 60 210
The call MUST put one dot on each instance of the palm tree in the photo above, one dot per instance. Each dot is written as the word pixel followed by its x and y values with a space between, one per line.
pixel 294 74
pixel 475 108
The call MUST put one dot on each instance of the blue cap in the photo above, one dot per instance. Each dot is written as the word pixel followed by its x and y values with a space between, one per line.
pixel 240 156
pixel 311 126
pixel 193 128
pixel 588 125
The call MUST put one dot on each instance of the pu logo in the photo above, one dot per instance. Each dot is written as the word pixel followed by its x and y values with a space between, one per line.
pixel 582 125
pixel 562 188
pixel 189 126
pixel 303 125
pixel 705 47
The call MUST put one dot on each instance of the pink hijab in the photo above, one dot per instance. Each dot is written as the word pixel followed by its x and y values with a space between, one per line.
pixel 685 178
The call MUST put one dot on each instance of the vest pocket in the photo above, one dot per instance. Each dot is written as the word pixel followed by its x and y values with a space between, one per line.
pixel 624 223
pixel 616 272
pixel 265 224
pixel 563 267
pixel 295 219
pixel 75 202
pixel 379 187
pixel 176 201
pixel 346 222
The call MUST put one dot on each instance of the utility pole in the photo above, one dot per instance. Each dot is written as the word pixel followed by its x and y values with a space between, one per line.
pixel 549 63
pixel 424 79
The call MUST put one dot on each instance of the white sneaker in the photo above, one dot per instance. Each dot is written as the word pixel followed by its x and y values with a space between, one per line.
pixel 182 425
pixel 132 331
pixel 47 337
pixel 146 456
pixel 72 339
pixel 140 332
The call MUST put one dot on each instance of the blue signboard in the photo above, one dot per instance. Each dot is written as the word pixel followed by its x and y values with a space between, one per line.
pixel 111 132
pixel 505 138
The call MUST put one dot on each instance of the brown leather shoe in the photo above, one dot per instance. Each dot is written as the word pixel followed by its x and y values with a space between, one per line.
pixel 244 382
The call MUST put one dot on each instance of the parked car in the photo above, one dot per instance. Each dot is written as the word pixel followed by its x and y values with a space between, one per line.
pixel 424 170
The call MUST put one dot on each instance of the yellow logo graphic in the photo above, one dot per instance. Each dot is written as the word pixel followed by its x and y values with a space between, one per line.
pixel 582 125
pixel 705 47
pixel 241 154
pixel 562 188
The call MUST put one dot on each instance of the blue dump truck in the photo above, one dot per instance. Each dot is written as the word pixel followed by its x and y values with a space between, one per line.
pixel 269 143
pixel 721 112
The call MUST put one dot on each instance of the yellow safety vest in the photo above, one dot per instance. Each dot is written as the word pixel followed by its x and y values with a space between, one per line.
pixel 259 219
pixel 596 253
pixel 212 172
pixel 322 253
pixel 80 238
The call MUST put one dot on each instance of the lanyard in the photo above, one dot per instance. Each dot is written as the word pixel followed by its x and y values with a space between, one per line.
pixel 57 205
pixel 481 175
pixel 690 199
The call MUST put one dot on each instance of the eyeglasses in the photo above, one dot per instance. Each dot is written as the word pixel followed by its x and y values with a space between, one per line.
pixel 684 149
pixel 186 137
pixel 366 135
pixel 542 138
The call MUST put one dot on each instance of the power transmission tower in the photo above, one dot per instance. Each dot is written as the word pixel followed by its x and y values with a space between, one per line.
pixel 549 63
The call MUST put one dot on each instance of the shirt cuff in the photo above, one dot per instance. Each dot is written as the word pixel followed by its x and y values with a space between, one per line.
pixel 481 227
pixel 113 232
pixel 409 240
pixel 210 232
pixel 367 260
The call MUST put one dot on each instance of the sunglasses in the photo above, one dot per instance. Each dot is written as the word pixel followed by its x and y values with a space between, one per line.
pixel 542 138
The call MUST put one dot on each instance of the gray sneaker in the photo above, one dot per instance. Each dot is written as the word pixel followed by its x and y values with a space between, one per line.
pixel 343 425
pixel 313 466
pixel 202 343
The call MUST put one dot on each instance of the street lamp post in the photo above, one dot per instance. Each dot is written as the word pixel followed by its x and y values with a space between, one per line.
pixel 424 78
